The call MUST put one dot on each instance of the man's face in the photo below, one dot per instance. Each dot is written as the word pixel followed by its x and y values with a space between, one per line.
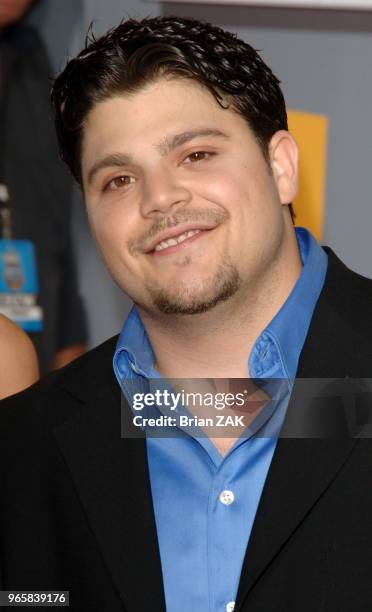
pixel 12 10
pixel 168 164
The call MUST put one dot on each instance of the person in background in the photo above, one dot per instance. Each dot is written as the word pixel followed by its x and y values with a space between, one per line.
pixel 18 361
pixel 39 188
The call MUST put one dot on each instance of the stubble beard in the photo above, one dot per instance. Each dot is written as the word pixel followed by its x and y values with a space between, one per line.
pixel 202 296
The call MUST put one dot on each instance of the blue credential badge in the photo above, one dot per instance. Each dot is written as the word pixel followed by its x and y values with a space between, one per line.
pixel 19 284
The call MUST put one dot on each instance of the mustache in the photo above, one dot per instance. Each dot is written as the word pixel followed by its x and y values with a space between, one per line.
pixel 210 217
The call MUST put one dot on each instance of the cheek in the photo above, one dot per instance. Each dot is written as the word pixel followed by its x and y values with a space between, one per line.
pixel 261 192
pixel 220 188
pixel 111 230
pixel 235 182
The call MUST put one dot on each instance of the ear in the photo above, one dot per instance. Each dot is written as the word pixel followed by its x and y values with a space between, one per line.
pixel 283 151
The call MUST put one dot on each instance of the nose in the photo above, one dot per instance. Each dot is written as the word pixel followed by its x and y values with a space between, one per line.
pixel 163 193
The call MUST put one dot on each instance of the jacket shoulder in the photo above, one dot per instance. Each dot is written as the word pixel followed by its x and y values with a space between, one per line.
pixel 350 294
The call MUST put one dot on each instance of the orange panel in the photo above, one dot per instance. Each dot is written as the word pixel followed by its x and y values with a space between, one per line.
pixel 310 132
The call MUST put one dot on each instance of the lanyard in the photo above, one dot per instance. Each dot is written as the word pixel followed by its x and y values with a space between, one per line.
pixel 5 213
pixel 5 209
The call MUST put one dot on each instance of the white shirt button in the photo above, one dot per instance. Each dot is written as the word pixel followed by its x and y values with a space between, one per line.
pixel 227 498
pixel 230 606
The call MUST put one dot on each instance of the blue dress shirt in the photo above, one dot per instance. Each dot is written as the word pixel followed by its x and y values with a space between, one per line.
pixel 205 504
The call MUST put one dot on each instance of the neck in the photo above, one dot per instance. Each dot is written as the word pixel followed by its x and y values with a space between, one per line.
pixel 216 344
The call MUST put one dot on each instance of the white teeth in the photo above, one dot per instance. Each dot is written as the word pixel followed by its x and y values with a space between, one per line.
pixel 174 241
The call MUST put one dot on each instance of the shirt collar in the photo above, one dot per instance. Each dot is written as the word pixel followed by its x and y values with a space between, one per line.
pixel 276 351
pixel 134 354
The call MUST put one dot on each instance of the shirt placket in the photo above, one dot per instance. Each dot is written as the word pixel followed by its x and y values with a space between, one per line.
pixel 220 523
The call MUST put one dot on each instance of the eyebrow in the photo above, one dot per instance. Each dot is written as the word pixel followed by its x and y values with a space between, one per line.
pixel 165 147
pixel 168 145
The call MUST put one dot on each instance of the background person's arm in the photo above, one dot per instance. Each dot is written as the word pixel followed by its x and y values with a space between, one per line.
pixel 18 362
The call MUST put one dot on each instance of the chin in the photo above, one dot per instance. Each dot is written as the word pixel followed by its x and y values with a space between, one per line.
pixel 183 301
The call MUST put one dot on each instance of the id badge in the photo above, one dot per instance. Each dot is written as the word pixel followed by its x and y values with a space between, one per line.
pixel 19 284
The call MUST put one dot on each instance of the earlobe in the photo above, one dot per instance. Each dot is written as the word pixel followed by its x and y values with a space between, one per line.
pixel 284 163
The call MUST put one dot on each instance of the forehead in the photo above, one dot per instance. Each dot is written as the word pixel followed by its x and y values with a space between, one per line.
pixel 175 102
pixel 132 123
pixel 169 101
pixel 164 96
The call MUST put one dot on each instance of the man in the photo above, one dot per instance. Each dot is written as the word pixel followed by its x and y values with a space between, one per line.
pixel 177 132
pixel 39 188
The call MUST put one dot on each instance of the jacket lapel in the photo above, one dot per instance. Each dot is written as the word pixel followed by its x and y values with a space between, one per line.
pixel 302 468
pixel 112 481
pixel 300 471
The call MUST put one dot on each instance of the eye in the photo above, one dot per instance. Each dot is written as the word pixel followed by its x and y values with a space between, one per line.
pixel 118 182
pixel 198 156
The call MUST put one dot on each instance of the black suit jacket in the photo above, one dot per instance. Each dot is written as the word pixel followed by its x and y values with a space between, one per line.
pixel 76 507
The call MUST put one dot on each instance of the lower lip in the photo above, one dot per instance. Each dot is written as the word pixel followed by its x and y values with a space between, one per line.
pixel 178 247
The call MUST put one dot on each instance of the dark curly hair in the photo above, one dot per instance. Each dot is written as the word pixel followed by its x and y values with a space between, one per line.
pixel 136 53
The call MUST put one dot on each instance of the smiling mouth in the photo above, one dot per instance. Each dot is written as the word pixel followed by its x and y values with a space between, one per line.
pixel 176 240
pixel 177 243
